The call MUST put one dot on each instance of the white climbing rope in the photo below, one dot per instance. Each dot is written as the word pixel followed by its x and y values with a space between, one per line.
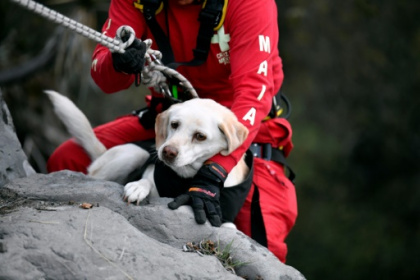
pixel 154 72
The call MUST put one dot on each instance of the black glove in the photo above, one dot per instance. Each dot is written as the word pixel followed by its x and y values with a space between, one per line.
pixel 204 194
pixel 132 60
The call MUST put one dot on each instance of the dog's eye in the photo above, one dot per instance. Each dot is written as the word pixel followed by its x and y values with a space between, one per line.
pixel 174 125
pixel 200 136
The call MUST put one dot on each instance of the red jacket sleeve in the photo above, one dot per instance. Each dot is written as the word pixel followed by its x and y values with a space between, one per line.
pixel 121 12
pixel 256 68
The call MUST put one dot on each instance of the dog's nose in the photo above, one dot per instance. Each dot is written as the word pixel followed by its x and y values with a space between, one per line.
pixel 169 153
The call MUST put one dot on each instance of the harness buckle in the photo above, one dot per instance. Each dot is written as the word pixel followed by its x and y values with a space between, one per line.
pixel 267 152
pixel 263 151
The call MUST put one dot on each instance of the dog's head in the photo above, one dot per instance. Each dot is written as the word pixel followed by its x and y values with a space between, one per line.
pixel 189 133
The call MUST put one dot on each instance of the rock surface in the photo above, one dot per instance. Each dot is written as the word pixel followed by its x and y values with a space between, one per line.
pixel 13 161
pixel 46 234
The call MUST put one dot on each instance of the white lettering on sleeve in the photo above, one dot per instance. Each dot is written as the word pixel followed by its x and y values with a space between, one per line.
pixel 250 116
pixel 263 68
pixel 94 62
pixel 264 43
pixel 262 92
pixel 108 26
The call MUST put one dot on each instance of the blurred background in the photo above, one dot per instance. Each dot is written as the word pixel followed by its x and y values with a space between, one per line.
pixel 352 73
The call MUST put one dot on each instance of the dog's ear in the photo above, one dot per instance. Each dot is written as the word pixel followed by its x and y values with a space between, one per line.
pixel 235 134
pixel 161 127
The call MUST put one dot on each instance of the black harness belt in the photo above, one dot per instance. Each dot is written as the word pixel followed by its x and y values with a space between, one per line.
pixel 266 152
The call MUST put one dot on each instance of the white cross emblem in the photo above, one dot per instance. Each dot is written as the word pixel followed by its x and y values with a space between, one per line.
pixel 222 39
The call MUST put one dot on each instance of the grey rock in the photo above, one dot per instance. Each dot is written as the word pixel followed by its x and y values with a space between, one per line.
pixel 46 234
pixel 13 161
pixel 42 218
pixel 73 243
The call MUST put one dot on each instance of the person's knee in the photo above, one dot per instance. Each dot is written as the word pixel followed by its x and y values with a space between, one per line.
pixel 279 249
pixel 70 156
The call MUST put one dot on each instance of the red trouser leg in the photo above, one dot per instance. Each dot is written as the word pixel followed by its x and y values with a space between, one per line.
pixel 277 200
pixel 71 156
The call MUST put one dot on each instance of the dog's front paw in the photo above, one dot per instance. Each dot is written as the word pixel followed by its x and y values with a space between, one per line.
pixel 228 225
pixel 137 191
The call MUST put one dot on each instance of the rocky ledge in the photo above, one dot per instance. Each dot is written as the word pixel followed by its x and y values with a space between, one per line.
pixel 66 225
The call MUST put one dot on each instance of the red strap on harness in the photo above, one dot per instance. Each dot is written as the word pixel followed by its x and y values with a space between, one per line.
pixel 277 132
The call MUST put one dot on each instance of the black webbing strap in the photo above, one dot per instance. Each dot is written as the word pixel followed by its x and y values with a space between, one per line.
pixel 266 152
pixel 258 232
pixel 278 156
pixel 136 174
pixel 147 115
pixel 149 11
pixel 209 18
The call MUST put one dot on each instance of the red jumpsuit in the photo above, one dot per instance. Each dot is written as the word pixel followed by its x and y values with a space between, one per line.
pixel 243 71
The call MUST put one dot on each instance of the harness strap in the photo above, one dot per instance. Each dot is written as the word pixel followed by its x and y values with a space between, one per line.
pixel 210 18
pixel 147 115
pixel 149 11
pixel 266 152
pixel 278 156
pixel 258 232
pixel 136 174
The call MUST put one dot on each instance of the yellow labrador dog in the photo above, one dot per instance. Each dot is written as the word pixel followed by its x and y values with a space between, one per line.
pixel 187 134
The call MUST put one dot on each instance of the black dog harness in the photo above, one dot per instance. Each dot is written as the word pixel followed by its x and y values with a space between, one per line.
pixel 169 184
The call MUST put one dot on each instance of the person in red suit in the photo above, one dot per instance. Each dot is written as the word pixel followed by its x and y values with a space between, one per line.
pixel 242 70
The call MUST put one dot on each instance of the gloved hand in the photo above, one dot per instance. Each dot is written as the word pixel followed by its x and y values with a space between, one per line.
pixel 132 60
pixel 204 194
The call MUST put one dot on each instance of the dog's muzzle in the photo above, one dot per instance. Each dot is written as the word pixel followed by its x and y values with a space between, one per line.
pixel 169 153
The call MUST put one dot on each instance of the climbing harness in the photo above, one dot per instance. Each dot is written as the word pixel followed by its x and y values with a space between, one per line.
pixel 211 18
pixel 154 74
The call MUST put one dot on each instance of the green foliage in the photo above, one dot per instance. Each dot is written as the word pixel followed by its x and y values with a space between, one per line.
pixel 224 255
pixel 352 74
